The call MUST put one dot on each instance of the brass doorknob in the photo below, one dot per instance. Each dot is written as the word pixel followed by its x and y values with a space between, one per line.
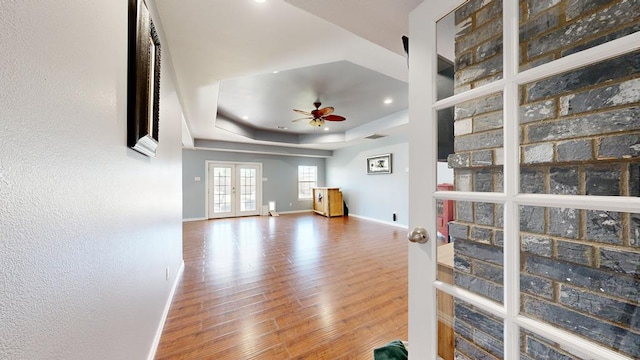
pixel 418 235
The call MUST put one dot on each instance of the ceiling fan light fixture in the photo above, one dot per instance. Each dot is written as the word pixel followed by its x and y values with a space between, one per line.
pixel 388 101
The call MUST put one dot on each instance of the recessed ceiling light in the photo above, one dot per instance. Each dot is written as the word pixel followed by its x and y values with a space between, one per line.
pixel 326 129
pixel 388 101
pixel 275 71
pixel 283 127
pixel 245 117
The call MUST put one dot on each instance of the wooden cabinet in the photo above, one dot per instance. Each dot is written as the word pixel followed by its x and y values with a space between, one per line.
pixel 328 201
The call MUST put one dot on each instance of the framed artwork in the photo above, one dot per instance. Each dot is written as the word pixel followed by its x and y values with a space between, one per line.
pixel 143 80
pixel 379 164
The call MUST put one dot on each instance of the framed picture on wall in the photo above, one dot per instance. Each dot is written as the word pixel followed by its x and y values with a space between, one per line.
pixel 379 164
pixel 143 80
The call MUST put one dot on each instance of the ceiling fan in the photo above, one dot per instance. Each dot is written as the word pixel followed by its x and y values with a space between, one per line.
pixel 319 116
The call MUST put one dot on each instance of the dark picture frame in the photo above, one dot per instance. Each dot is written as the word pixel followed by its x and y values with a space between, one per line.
pixel 143 80
pixel 379 164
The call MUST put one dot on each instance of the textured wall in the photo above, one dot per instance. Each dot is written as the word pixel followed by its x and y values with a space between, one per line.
pixel 281 173
pixel 87 226
pixel 580 134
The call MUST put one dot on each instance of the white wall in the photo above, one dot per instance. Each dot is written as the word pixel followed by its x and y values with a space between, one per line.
pixel 87 226
pixel 373 196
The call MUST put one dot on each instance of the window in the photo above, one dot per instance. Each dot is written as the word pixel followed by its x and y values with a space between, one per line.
pixel 307 180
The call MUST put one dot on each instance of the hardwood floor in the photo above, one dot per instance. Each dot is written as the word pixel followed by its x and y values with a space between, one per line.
pixel 298 286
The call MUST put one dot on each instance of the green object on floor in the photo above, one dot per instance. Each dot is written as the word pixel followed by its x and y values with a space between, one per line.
pixel 394 350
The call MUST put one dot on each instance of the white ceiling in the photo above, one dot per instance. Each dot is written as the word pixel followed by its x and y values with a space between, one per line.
pixel 346 53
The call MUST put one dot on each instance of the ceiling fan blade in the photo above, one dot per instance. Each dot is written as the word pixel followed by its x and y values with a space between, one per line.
pixel 334 118
pixel 302 112
pixel 325 111
pixel 304 118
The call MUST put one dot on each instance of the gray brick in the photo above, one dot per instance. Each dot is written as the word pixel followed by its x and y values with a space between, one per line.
pixel 463 329
pixel 539 153
pixel 575 150
pixel 586 125
pixel 602 307
pixel 489 49
pixel 601 98
pixel 536 286
pixel 624 262
pixel 605 38
pixel 541 110
pixel 634 179
pixel 488 121
pixel 536 244
pixel 474 250
pixel 499 215
pixel 609 70
pixel 464 180
pixel 480 35
pixel 532 219
pixel 532 180
pixel 466 10
pixel 489 272
pixel 490 12
pixel 603 180
pixel 481 234
pixel 498 238
pixel 484 213
pixel 464 211
pixel 564 222
pixel 482 158
pixel 603 226
pixel 486 140
pixel 575 252
pixel 479 286
pixel 490 344
pixel 537 6
pixel 540 24
pixel 483 181
pixel 478 71
pixel 461 263
pixel 463 60
pixel 479 319
pixel 618 147
pixel 596 330
pixel 541 351
pixel 460 160
pixel 583 276
pixel 606 20
pixel 564 180
pixel 634 224
pixel 465 350
pixel 479 106
pixel 458 231
pixel 498 186
pixel 578 8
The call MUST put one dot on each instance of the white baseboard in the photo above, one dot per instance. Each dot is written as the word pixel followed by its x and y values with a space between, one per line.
pixel 294 212
pixel 194 219
pixel 167 307
pixel 403 226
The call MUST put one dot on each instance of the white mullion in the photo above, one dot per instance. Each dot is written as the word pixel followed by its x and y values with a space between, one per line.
pixel 472 298
pixel 487 89
pixel 511 144
pixel 487 197
pixel 587 202
pixel 577 345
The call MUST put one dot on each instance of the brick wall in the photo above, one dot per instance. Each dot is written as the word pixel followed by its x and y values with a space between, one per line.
pixel 580 134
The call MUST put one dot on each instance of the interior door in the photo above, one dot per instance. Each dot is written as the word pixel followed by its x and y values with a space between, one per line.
pixel 233 189
pixel 544 261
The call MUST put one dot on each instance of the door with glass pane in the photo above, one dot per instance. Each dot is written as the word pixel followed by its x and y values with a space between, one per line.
pixel 233 189
pixel 533 108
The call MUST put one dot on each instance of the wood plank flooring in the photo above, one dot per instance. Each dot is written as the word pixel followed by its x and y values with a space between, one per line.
pixel 297 286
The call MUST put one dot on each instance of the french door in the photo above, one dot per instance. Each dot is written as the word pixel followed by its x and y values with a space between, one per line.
pixel 544 258
pixel 233 189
